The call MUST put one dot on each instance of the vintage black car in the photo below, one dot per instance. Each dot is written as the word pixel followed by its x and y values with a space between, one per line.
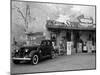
pixel 34 53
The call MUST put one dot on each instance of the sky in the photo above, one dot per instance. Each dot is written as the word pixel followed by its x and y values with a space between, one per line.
pixel 40 12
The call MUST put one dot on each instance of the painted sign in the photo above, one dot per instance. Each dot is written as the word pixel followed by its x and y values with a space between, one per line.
pixel 86 22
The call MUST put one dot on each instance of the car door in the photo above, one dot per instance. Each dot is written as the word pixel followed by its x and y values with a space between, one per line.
pixel 47 47
pixel 43 48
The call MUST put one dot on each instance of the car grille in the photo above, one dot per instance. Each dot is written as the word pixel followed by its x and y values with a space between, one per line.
pixel 21 54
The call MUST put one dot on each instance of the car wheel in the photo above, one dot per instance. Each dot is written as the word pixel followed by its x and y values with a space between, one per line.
pixel 53 55
pixel 16 61
pixel 35 59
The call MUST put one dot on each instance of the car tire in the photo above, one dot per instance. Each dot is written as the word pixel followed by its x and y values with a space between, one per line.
pixel 35 59
pixel 16 61
pixel 53 55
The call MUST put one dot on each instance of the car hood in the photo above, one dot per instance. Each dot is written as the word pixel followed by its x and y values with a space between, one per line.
pixel 22 51
pixel 29 48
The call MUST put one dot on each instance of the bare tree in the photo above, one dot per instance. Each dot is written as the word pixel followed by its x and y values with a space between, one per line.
pixel 27 17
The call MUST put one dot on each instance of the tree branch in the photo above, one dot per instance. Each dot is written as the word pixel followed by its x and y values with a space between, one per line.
pixel 18 9
pixel 24 17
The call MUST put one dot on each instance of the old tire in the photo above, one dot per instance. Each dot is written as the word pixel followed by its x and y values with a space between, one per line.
pixel 16 61
pixel 53 55
pixel 35 59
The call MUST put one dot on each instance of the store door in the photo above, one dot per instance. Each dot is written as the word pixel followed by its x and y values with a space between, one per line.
pixel 76 40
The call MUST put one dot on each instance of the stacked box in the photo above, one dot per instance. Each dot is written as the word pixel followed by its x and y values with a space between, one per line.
pixel 89 46
pixel 69 48
pixel 79 47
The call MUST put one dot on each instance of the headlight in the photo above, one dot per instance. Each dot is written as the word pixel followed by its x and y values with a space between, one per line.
pixel 26 50
pixel 40 51
pixel 16 50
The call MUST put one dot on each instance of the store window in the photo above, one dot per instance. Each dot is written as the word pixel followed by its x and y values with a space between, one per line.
pixel 90 37
pixel 68 36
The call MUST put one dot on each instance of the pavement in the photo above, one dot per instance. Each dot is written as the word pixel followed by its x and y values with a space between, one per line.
pixel 60 63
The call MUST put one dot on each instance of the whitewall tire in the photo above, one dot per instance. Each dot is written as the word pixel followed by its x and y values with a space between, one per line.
pixel 35 59
pixel 53 55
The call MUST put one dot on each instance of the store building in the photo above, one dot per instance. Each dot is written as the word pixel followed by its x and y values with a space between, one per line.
pixel 75 36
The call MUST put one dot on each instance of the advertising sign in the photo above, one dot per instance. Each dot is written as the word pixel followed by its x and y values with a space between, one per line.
pixel 86 20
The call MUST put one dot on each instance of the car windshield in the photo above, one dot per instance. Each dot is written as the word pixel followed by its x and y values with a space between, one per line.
pixel 44 43
pixel 29 47
pixel 23 48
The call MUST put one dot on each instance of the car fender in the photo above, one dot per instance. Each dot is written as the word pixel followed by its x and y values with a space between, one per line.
pixel 32 53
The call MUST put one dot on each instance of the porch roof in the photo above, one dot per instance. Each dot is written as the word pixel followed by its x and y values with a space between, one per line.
pixel 69 27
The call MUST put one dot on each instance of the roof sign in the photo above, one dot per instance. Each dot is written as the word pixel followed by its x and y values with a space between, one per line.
pixel 86 20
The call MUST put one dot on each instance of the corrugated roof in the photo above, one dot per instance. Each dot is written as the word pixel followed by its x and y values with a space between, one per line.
pixel 73 26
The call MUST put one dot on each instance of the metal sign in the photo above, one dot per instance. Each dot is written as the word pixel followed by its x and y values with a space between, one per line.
pixel 86 20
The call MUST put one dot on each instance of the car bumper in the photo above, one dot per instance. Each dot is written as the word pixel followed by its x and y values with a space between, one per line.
pixel 21 58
